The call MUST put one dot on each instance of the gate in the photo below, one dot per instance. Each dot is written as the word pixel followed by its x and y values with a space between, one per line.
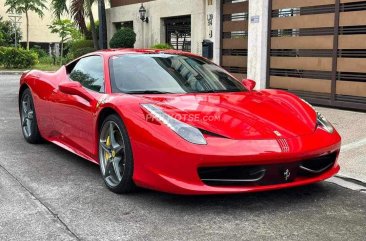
pixel 178 32
pixel 234 37
pixel 318 50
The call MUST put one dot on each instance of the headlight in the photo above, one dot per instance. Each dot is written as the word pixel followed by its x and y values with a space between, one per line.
pixel 323 123
pixel 187 132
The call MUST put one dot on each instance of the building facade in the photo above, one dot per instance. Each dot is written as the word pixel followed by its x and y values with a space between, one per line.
pixel 183 23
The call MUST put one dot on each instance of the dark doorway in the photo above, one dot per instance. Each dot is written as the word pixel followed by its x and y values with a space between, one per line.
pixel 120 25
pixel 178 32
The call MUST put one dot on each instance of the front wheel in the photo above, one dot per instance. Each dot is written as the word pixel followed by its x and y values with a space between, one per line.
pixel 28 118
pixel 115 155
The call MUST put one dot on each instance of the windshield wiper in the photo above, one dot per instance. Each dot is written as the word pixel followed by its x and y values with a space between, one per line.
pixel 136 92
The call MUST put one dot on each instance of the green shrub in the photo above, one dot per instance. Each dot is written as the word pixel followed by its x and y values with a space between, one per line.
pixel 41 53
pixel 80 44
pixel 2 52
pixel 46 60
pixel 18 58
pixel 123 38
pixel 80 52
pixel 68 58
pixel 162 46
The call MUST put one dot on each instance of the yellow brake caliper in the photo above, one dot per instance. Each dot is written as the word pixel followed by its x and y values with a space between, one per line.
pixel 108 144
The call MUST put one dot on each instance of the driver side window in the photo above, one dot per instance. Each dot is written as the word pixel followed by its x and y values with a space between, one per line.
pixel 89 72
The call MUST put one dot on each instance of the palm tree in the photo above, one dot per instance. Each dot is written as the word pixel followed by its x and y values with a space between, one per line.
pixel 79 10
pixel 59 7
pixel 26 6
pixel 89 4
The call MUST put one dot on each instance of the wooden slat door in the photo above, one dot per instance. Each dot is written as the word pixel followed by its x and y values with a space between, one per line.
pixel 234 42
pixel 318 50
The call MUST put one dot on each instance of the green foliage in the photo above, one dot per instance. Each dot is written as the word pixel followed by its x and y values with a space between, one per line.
pixel 46 60
pixel 2 53
pixel 79 48
pixel 80 44
pixel 7 34
pixel 80 52
pixel 59 7
pixel 24 6
pixel 69 57
pixel 40 52
pixel 123 38
pixel 162 46
pixel 96 27
pixel 64 28
pixel 17 57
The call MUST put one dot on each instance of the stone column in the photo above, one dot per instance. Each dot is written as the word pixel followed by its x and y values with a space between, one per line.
pixel 257 41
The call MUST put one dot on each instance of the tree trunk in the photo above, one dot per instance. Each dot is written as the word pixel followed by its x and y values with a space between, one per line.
pixel 92 26
pixel 102 25
pixel 27 20
pixel 62 51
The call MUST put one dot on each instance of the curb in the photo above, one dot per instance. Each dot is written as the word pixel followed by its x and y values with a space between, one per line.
pixel 351 179
pixel 11 72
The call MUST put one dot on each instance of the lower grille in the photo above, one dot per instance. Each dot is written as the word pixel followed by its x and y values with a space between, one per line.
pixel 231 175
pixel 266 174
pixel 318 165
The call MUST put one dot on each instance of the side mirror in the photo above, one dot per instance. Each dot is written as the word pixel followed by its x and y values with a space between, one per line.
pixel 75 88
pixel 249 84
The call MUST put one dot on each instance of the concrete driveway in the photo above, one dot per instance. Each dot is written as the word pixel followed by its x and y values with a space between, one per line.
pixel 47 193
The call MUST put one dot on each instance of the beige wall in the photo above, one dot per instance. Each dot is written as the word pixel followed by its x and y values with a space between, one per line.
pixel 153 32
pixel 38 27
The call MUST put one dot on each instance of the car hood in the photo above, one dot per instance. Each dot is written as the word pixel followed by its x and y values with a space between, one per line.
pixel 243 115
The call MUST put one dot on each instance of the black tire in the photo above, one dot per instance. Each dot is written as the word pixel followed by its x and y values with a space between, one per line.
pixel 126 185
pixel 33 137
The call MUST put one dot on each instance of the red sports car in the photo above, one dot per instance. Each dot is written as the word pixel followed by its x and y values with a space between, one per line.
pixel 175 122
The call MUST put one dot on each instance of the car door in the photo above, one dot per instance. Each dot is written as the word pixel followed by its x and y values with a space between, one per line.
pixel 74 115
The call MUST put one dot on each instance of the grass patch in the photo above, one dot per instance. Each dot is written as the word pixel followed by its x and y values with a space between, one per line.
pixel 40 66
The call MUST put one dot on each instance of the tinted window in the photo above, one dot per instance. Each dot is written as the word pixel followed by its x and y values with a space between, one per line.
pixel 89 72
pixel 169 73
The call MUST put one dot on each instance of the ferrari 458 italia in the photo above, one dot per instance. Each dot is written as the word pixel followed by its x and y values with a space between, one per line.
pixel 175 122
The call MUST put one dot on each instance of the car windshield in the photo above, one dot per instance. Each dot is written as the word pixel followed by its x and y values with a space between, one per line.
pixel 168 73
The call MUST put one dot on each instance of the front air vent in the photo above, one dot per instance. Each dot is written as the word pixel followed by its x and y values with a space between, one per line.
pixel 318 165
pixel 234 175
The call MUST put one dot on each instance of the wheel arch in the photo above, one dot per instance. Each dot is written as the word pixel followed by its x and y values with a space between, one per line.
pixel 104 113
pixel 22 88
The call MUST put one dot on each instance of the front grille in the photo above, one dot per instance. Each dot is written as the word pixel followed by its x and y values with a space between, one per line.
pixel 262 175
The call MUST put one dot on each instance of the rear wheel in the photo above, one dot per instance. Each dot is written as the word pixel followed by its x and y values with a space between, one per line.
pixel 115 155
pixel 28 118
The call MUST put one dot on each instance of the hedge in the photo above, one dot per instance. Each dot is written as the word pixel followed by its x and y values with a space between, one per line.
pixel 162 46
pixel 80 52
pixel 123 38
pixel 80 44
pixel 17 58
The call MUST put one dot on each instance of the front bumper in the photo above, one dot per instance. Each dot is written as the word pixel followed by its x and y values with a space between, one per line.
pixel 174 167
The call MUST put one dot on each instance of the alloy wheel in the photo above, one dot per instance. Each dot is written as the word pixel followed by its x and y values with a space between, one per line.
pixel 27 115
pixel 112 153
